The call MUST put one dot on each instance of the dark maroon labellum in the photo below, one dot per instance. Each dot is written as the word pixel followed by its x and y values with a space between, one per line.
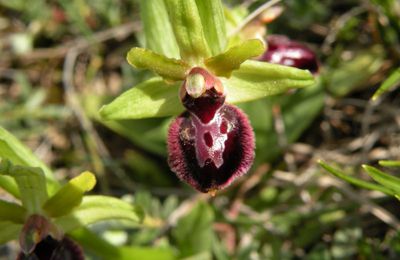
pixel 51 249
pixel 282 50
pixel 212 143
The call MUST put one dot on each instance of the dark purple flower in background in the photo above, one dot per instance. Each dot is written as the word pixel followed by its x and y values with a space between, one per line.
pixel 41 240
pixel 282 50
pixel 52 249
pixel 212 143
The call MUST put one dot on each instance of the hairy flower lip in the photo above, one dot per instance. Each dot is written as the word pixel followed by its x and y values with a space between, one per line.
pixel 282 50
pixel 238 153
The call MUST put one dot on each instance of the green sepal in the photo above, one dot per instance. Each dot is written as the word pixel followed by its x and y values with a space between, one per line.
pixel 94 209
pixel 152 98
pixel 387 180
pixel 255 80
pixel 355 181
pixel 214 24
pixel 12 212
pixel 158 32
pixel 170 69
pixel 223 64
pixel 188 29
pixel 70 195
pixel 31 183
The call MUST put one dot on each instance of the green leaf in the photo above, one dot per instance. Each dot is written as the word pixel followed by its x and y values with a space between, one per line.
pixel 70 195
pixel 225 63
pixel 95 209
pixel 214 24
pixel 391 81
pixel 158 31
pixel 187 26
pixel 95 244
pixel 194 233
pixel 12 212
pixel 32 186
pixel 152 98
pixel 9 185
pixel 255 80
pixel 148 253
pixel 14 151
pixel 167 68
pixel 388 181
pixel 390 163
pixel 103 249
pixel 9 231
pixel 355 181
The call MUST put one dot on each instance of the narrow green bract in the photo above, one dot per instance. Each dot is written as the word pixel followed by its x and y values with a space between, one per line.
pixel 356 181
pixel 388 181
pixel 391 81
pixel 186 23
pixel 158 31
pixel 214 24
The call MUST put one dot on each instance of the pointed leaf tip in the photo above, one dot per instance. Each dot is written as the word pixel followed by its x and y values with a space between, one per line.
pixel 355 181
pixel 386 180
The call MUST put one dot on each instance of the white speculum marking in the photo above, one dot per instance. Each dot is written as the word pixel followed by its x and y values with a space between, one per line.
pixel 213 129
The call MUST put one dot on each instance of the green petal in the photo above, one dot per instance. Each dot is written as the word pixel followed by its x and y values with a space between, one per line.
pixel 387 180
pixel 255 80
pixel 97 209
pixel 186 23
pixel 225 63
pixel 214 24
pixel 31 184
pixel 70 195
pixel 167 68
pixel 391 81
pixel 152 98
pixel 9 231
pixel 12 212
pixel 158 32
